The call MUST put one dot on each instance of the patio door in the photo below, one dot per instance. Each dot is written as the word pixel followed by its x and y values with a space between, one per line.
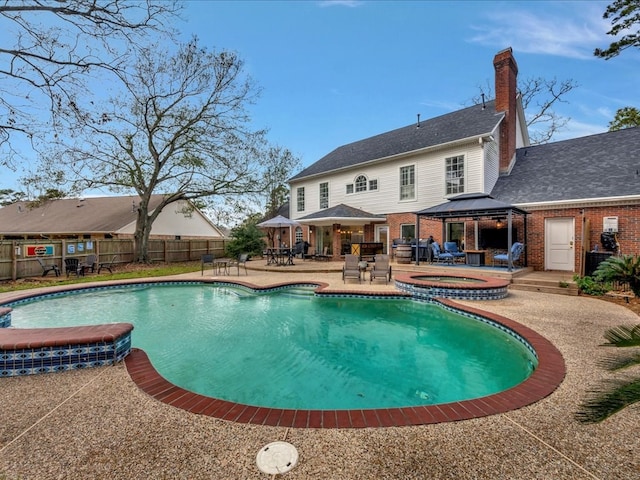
pixel 559 249
pixel 382 235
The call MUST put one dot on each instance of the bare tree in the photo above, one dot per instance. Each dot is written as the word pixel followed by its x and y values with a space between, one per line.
pixel 179 128
pixel 57 45
pixel 539 97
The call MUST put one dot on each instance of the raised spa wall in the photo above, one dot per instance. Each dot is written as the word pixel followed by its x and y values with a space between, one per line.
pixel 422 286
pixel 28 351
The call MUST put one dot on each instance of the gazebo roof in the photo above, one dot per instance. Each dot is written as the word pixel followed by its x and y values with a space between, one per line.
pixel 470 205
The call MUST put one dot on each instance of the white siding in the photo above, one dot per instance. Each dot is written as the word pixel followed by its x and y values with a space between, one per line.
pixel 173 222
pixel 430 182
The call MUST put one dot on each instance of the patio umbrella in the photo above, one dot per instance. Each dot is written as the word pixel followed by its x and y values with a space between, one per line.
pixel 279 222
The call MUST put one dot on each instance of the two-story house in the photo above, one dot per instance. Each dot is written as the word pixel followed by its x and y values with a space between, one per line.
pixel 372 189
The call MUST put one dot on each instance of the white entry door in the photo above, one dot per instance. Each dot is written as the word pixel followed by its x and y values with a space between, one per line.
pixel 559 248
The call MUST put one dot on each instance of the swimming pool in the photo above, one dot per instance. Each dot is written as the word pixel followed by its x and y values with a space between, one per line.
pixel 295 350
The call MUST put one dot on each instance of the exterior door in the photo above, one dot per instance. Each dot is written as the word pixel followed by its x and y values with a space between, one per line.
pixel 559 251
pixel 382 235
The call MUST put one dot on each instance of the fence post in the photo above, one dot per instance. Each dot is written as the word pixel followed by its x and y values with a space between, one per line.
pixel 14 261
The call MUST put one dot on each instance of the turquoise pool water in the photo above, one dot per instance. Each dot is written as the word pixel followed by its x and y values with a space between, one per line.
pixel 294 350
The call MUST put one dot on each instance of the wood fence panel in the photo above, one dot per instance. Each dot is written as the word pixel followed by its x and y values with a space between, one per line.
pixel 14 263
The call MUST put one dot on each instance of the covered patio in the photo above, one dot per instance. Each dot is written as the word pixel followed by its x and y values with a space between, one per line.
pixel 475 207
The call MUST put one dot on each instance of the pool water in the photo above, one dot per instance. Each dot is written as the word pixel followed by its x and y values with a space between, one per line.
pixel 295 351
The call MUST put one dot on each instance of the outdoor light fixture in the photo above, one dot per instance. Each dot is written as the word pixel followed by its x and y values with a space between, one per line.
pixel 499 223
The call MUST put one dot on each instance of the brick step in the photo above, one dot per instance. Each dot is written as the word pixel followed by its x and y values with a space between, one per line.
pixel 572 289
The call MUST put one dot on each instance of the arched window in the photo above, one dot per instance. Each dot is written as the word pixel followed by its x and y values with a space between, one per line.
pixel 361 183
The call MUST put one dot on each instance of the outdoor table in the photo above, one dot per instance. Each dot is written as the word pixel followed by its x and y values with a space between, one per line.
pixel 221 265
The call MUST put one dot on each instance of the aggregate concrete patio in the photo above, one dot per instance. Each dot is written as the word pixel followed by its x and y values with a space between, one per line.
pixel 97 424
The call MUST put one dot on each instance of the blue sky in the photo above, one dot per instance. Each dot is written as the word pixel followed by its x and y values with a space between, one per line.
pixel 333 72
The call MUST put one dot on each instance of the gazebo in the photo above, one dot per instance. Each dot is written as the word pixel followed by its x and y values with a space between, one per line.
pixel 474 206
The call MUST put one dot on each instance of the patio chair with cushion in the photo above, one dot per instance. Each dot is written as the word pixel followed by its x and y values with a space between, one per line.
pixel 351 269
pixel 381 268
pixel 439 255
pixel 48 268
pixel 452 248
pixel 516 250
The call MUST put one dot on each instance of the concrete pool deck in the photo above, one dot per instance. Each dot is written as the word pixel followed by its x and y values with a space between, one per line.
pixel 96 423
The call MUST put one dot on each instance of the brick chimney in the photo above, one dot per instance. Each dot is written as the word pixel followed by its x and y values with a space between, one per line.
pixel 506 90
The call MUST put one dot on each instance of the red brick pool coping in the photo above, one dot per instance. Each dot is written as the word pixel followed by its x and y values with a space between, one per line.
pixel 544 381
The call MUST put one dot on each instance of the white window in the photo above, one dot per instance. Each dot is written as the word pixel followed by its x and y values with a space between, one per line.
pixel 300 198
pixel 454 174
pixel 324 195
pixel 349 188
pixel 373 184
pixel 361 183
pixel 408 183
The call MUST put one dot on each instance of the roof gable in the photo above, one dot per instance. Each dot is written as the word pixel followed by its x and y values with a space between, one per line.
pixel 462 124
pixel 597 166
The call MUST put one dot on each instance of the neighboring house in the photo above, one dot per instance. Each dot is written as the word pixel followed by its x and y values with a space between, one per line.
pixel 101 217
pixel 371 190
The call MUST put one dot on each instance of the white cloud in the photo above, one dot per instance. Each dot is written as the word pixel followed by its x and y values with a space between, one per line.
pixel 340 3
pixel 571 29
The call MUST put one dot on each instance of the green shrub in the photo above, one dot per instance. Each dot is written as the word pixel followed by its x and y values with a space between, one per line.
pixel 625 269
pixel 591 286
pixel 246 238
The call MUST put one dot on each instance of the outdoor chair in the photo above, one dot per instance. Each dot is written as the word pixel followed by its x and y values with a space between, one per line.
pixel 72 265
pixel 90 263
pixel 324 256
pixel 206 259
pixel 381 268
pixel 48 268
pixel 108 265
pixel 241 261
pixel 452 248
pixel 351 269
pixel 516 250
pixel 439 255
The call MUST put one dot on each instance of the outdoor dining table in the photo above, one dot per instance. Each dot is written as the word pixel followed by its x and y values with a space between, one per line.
pixel 279 256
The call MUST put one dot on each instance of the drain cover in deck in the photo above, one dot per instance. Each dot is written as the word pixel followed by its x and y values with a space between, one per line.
pixel 277 457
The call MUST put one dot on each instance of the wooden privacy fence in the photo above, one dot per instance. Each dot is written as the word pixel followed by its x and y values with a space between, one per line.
pixel 19 258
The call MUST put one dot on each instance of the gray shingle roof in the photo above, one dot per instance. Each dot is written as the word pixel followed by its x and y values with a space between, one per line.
pixel 466 123
pixel 342 211
pixel 72 215
pixel 596 166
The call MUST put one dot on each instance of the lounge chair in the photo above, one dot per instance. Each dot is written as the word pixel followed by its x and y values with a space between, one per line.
pixel 351 269
pixel 72 265
pixel 324 256
pixel 516 250
pixel 381 269
pixel 206 259
pixel 241 261
pixel 48 268
pixel 439 255
pixel 108 265
pixel 452 248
